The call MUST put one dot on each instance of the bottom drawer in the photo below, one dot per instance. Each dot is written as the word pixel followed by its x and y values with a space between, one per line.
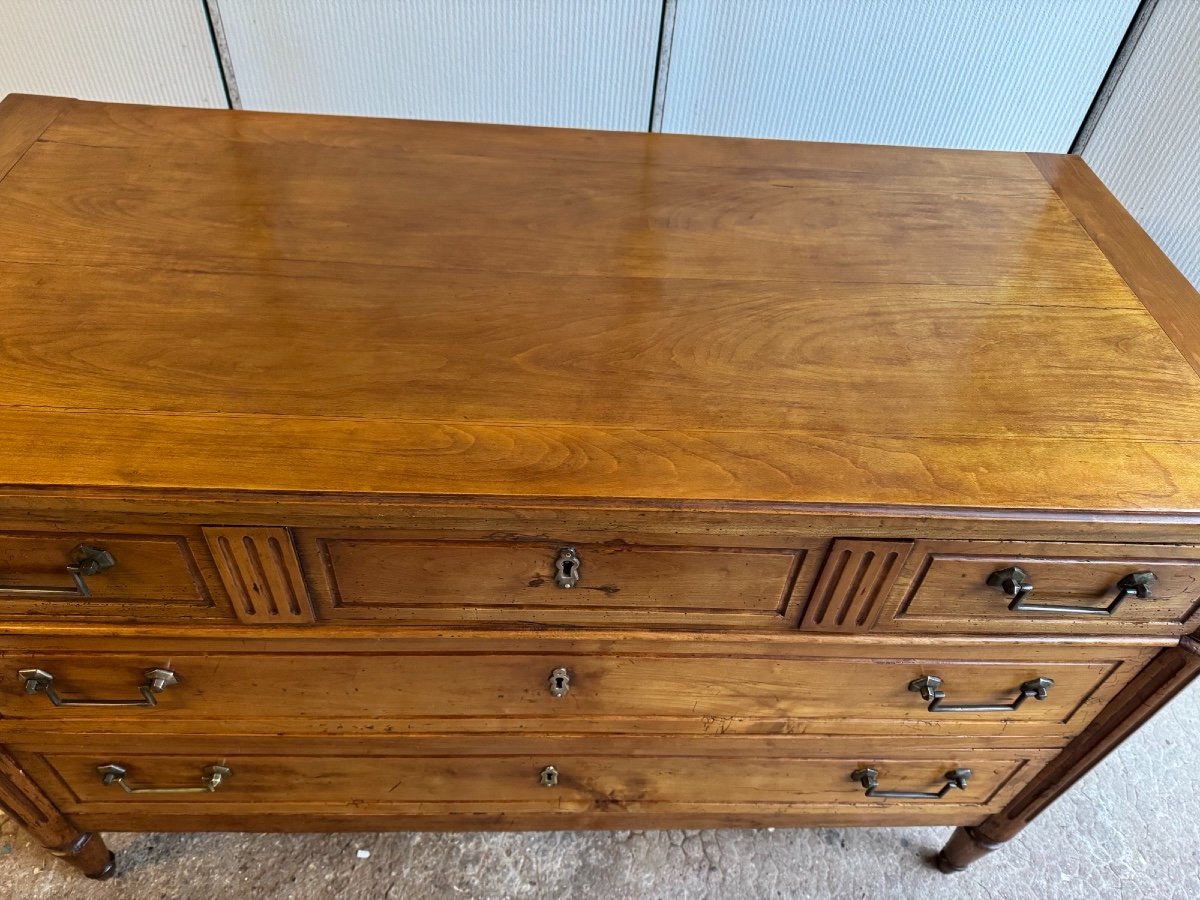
pixel 559 784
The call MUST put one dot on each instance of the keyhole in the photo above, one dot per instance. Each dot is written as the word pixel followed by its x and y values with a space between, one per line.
pixel 568 569
pixel 560 683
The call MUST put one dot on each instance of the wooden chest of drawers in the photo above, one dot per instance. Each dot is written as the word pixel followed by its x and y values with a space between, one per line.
pixel 366 474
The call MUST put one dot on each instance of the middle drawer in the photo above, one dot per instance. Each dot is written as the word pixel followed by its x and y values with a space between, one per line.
pixel 577 685
pixel 387 576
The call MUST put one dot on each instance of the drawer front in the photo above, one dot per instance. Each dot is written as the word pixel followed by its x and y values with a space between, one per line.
pixel 564 783
pixel 385 577
pixel 125 576
pixel 947 588
pixel 570 686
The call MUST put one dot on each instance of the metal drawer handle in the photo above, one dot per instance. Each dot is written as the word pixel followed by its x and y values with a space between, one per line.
pixel 85 560
pixel 1014 582
pixel 566 568
pixel 869 779
pixel 157 680
pixel 114 773
pixel 548 777
pixel 560 683
pixel 928 687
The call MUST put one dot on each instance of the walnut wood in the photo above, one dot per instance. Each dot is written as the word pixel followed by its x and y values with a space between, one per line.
pixel 945 589
pixel 371 576
pixel 706 309
pixel 1161 287
pixel 854 580
pixel 1169 672
pixel 25 118
pixel 359 379
pixel 152 740
pixel 160 818
pixel 160 574
pixel 650 686
pixel 262 575
pixel 482 782
pixel 23 801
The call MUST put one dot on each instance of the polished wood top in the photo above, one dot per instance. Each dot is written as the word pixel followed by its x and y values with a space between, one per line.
pixel 252 301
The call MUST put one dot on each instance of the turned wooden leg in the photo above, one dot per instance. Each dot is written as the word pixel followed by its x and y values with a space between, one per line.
pixel 1167 674
pixel 25 803
pixel 964 847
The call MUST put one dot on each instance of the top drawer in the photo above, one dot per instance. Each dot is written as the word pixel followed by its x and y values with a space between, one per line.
pixel 131 576
pixel 999 586
pixel 387 576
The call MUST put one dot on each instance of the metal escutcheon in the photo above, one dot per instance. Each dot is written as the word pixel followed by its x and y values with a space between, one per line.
pixel 560 683
pixel 548 777
pixel 566 568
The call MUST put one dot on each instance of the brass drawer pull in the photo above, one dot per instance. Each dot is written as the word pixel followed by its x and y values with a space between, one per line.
pixel 548 777
pixel 560 683
pixel 157 680
pixel 114 773
pixel 869 779
pixel 1014 582
pixel 928 687
pixel 566 568
pixel 85 560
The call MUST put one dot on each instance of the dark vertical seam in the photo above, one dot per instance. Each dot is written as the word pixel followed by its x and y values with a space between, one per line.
pixel 216 49
pixel 658 91
pixel 1112 75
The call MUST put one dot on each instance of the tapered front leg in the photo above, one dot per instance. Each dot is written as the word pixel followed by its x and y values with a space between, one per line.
pixel 26 804
pixel 1165 676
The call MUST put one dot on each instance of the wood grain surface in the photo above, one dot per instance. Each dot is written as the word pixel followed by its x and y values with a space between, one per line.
pixel 256 302
pixel 372 576
pixel 655 686
pixel 945 588
pixel 488 782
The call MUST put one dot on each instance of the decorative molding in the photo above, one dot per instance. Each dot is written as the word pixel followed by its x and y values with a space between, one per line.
pixel 262 574
pixel 857 575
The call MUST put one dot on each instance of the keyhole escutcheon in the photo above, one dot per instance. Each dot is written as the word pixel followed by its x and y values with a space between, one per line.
pixel 566 568
pixel 560 683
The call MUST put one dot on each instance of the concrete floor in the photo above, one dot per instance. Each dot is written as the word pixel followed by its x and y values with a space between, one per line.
pixel 1130 829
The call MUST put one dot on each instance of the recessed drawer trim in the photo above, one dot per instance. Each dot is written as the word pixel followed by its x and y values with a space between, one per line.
pixel 671 691
pixel 382 578
pixel 584 781
pixel 946 590
pixel 154 576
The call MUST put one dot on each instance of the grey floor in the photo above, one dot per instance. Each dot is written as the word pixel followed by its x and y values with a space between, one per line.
pixel 1130 829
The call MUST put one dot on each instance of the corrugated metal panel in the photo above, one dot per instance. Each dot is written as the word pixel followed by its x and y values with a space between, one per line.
pixel 538 62
pixel 136 51
pixel 1000 74
pixel 1146 146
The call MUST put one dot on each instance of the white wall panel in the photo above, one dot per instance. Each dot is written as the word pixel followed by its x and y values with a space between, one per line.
pixel 136 51
pixel 996 74
pixel 581 63
pixel 1146 146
